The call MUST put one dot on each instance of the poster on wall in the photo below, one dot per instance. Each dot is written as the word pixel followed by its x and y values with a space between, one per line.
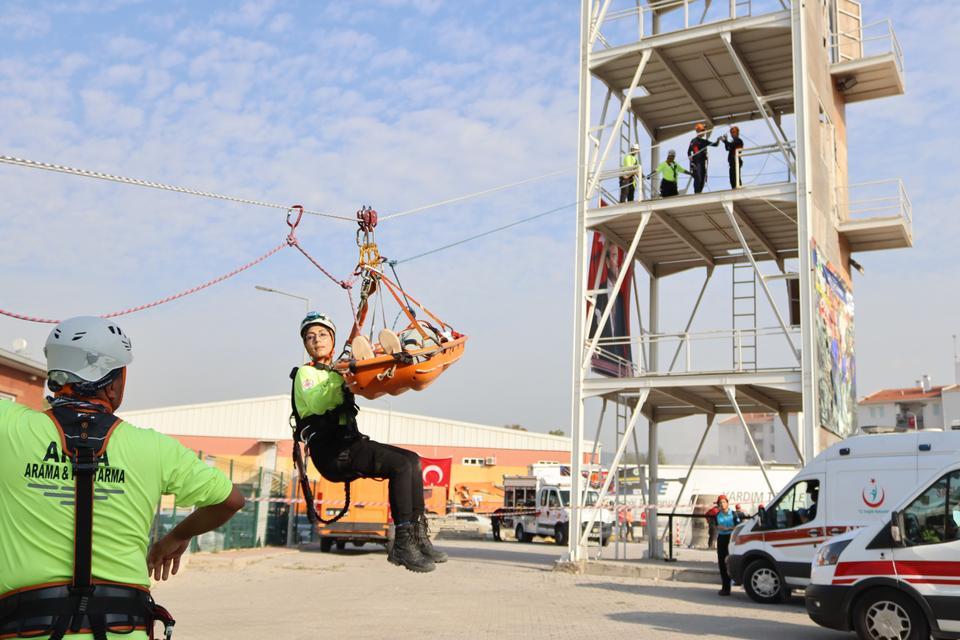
pixel 606 261
pixel 835 360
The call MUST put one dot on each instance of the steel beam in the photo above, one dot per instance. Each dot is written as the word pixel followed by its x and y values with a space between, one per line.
pixel 754 88
pixel 693 463
pixel 728 207
pixel 759 236
pixel 696 306
pixel 691 399
pixel 731 392
pixel 760 398
pixel 688 238
pixel 644 58
pixel 685 86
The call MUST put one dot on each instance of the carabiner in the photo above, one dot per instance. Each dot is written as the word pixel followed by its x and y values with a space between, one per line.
pixel 299 209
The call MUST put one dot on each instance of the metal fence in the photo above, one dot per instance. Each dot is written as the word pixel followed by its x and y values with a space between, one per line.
pixel 263 521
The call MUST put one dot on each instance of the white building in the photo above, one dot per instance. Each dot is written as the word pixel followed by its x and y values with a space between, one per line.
pixel 922 407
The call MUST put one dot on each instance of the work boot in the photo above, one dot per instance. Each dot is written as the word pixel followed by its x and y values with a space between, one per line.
pixel 422 537
pixel 404 551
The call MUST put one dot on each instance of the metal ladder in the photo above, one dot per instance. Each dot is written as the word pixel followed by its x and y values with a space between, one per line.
pixel 628 127
pixel 744 309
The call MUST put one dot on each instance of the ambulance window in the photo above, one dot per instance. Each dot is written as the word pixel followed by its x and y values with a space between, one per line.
pixel 543 498
pixel 925 520
pixel 796 507
pixel 554 500
pixel 953 509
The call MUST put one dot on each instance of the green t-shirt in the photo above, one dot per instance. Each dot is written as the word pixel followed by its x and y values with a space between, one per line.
pixel 670 171
pixel 36 500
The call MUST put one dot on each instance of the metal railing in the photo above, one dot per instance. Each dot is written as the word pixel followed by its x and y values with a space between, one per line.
pixel 703 352
pixel 875 199
pixel 621 25
pixel 874 39
pixel 778 173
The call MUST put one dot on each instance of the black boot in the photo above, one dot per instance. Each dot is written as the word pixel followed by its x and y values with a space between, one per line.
pixel 404 551
pixel 422 537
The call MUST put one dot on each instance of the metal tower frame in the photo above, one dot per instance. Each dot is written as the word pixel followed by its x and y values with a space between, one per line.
pixel 677 62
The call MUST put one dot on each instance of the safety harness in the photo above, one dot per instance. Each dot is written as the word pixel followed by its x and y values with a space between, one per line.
pixel 83 605
pixel 304 429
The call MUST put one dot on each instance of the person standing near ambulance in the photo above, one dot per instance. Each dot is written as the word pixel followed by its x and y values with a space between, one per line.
pixel 727 521
pixel 79 489
pixel 326 420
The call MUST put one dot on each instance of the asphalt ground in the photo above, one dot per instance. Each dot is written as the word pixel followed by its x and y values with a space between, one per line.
pixel 487 589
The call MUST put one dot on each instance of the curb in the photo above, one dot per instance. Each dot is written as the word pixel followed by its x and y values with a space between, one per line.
pixel 642 570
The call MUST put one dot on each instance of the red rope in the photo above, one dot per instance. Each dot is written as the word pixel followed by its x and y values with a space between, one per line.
pixel 291 240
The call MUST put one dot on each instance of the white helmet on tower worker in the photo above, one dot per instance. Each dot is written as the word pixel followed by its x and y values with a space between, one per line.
pixel 86 351
pixel 635 147
pixel 316 318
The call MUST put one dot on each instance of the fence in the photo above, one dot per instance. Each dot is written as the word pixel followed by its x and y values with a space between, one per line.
pixel 264 520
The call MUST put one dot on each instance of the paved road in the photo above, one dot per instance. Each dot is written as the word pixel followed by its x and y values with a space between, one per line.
pixel 488 589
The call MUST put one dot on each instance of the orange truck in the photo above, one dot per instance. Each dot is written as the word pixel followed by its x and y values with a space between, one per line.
pixel 368 519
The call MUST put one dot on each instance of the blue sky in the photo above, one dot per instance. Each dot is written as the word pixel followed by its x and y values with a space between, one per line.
pixel 394 104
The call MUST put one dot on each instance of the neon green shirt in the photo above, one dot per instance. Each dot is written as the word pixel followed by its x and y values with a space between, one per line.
pixel 671 171
pixel 316 391
pixel 629 160
pixel 36 506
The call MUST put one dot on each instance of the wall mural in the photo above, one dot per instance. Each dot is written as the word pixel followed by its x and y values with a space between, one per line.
pixel 836 366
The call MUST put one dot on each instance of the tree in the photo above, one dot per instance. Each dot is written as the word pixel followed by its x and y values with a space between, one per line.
pixel 557 432
pixel 515 427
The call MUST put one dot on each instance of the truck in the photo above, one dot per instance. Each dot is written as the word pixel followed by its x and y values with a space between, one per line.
pixel 539 505
pixel 368 519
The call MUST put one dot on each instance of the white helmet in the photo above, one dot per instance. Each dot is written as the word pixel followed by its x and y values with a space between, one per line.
pixel 635 147
pixel 316 318
pixel 86 349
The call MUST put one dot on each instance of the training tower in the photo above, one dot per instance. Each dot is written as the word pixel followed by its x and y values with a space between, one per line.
pixel 650 70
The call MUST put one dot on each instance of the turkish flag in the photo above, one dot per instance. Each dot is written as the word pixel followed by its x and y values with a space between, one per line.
pixel 436 471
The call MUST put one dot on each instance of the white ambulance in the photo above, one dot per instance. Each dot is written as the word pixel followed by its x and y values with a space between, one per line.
pixel 854 483
pixel 898 578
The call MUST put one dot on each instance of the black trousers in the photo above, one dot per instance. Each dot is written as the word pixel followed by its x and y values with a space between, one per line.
pixel 699 172
pixel 668 188
pixel 723 546
pixel 733 175
pixel 342 461
pixel 627 188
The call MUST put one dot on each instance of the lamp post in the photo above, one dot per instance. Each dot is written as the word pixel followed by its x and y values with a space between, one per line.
pixel 292 511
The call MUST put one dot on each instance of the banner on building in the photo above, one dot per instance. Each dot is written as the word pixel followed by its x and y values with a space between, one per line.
pixel 606 261
pixel 836 364
pixel 436 471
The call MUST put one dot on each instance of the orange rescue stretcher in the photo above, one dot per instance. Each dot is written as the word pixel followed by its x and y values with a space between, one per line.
pixel 437 345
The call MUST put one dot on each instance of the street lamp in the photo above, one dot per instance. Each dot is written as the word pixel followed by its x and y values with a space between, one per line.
pixel 291 512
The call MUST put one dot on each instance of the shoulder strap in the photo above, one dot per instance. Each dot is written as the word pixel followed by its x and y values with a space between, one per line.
pixel 84 437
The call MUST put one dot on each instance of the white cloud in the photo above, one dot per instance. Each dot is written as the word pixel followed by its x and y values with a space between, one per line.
pixel 20 24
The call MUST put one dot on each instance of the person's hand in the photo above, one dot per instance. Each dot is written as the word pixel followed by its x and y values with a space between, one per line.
pixel 164 557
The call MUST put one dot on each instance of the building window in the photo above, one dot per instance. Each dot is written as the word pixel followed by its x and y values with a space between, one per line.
pixel 880 411
pixel 473 462
pixel 555 462
pixel 936 409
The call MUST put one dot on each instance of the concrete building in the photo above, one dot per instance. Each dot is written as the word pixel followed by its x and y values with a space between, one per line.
pixel 923 407
pixel 22 379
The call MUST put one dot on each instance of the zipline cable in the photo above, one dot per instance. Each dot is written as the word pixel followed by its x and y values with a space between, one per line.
pixel 86 173
pixel 476 194
pixel 481 235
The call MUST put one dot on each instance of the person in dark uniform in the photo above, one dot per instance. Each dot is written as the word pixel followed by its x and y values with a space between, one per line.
pixel 697 155
pixel 327 423
pixel 726 520
pixel 733 145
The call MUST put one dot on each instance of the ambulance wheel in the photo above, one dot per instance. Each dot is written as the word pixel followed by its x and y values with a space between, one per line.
pixel 560 534
pixel 521 536
pixel 359 543
pixel 326 544
pixel 763 584
pixel 887 614
pixel 341 545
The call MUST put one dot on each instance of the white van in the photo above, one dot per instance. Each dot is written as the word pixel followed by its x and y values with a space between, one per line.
pixel 899 578
pixel 852 484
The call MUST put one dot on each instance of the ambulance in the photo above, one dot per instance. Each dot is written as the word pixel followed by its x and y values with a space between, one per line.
pixel 852 484
pixel 896 578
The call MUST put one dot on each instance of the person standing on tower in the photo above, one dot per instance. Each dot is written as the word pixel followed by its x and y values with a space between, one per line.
pixel 733 146
pixel 628 180
pixel 697 155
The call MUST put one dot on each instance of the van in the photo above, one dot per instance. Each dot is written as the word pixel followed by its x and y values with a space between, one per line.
pixel 897 578
pixel 540 506
pixel 852 484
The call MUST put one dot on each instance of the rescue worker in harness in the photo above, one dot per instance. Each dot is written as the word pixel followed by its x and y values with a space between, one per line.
pixel 80 488
pixel 326 423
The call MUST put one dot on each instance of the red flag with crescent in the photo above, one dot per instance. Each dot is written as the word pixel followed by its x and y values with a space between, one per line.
pixel 436 471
